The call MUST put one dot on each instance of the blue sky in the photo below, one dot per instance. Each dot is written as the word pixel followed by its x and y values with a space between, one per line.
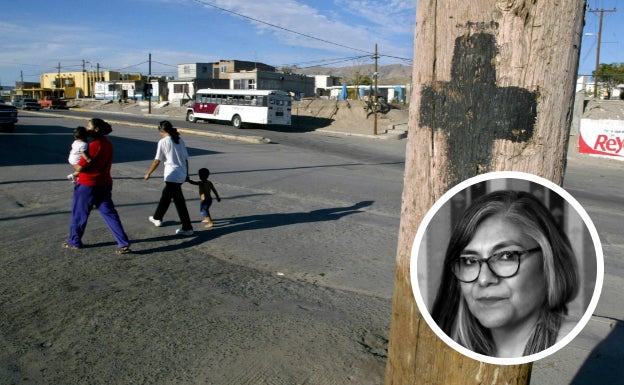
pixel 611 47
pixel 120 34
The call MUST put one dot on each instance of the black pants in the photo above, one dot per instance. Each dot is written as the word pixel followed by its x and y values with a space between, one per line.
pixel 173 191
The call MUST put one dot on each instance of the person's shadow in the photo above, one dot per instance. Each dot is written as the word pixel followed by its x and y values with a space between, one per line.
pixel 604 363
pixel 231 225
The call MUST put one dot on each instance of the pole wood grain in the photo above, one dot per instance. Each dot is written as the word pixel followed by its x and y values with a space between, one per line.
pixel 493 90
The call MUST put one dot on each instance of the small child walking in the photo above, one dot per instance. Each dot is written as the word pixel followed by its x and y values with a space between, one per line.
pixel 205 189
pixel 78 150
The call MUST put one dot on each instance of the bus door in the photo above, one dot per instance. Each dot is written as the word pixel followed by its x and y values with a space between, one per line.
pixel 205 104
pixel 279 110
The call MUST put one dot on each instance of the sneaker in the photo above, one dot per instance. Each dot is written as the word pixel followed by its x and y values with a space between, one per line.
pixel 184 232
pixel 156 222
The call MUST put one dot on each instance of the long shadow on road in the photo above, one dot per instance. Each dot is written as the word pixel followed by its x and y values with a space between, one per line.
pixel 250 222
pixel 604 364
pixel 39 145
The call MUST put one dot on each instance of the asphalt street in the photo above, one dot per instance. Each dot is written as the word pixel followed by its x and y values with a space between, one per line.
pixel 286 198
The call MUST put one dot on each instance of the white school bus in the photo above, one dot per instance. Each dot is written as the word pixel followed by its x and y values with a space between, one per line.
pixel 241 106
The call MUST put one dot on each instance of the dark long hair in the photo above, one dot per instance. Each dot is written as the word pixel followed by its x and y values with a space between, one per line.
pixel 103 128
pixel 167 127
pixel 450 310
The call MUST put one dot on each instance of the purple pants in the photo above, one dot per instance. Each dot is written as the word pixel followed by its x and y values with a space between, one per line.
pixel 85 199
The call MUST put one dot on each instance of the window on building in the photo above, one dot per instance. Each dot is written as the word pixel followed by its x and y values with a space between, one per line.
pixel 244 84
pixel 181 88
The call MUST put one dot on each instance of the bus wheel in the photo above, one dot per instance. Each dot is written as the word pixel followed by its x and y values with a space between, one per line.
pixel 236 121
pixel 190 117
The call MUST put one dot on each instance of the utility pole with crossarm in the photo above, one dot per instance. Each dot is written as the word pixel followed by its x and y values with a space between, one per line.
pixel 597 72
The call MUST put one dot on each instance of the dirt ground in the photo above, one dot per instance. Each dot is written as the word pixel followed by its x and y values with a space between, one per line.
pixel 348 116
pixel 604 109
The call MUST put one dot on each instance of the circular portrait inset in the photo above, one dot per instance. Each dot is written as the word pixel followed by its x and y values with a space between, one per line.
pixel 506 268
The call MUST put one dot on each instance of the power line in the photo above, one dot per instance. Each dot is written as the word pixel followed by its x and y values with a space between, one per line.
pixel 165 64
pixel 321 62
pixel 397 57
pixel 280 27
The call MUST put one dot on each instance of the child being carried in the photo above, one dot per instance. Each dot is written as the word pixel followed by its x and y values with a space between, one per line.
pixel 78 150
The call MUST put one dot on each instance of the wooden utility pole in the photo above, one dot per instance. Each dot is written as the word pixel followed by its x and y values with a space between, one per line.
pixel 149 79
pixel 375 108
pixel 491 92
pixel 59 82
pixel 599 42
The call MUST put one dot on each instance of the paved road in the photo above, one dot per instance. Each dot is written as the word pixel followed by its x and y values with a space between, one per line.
pixel 293 189
pixel 596 356
pixel 303 189
pixel 292 285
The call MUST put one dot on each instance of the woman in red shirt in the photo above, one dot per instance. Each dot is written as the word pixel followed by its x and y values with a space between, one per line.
pixel 94 189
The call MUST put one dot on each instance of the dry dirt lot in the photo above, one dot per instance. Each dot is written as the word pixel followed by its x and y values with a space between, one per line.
pixel 348 116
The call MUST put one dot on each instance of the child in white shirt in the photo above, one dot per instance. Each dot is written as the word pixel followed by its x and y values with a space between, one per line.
pixel 78 150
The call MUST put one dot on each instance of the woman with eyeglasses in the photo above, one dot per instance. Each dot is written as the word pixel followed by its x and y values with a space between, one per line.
pixel 509 273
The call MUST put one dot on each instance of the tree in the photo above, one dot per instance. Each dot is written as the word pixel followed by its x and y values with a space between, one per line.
pixel 611 74
pixel 486 73
pixel 360 80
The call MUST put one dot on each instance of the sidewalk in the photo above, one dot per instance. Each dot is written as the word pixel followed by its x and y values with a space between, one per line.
pixel 596 355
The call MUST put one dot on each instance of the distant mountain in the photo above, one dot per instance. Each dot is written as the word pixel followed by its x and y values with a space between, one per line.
pixel 390 74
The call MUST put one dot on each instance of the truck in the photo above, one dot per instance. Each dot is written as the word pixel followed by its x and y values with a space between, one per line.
pixel 51 102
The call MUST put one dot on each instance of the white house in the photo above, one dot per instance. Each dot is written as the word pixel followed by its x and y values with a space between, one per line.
pixel 180 91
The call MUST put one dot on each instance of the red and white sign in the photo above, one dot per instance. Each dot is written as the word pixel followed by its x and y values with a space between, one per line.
pixel 603 138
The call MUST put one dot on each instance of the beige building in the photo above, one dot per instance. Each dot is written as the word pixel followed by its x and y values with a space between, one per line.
pixel 78 84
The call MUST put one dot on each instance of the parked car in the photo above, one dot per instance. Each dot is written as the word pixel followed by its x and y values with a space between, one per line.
pixel 27 104
pixel 8 117
pixel 31 104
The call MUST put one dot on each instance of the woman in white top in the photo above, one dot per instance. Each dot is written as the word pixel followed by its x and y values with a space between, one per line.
pixel 172 152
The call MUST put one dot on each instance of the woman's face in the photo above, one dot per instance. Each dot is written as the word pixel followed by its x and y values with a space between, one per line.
pixel 504 303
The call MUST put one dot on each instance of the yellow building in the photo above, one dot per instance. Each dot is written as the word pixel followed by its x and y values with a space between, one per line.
pixel 71 85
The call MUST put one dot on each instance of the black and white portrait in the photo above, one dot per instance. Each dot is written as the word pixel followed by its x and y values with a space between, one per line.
pixel 506 267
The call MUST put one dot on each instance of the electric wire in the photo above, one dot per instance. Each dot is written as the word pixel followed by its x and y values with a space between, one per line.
pixel 280 27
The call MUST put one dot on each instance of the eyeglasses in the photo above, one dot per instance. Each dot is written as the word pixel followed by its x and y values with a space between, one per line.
pixel 504 264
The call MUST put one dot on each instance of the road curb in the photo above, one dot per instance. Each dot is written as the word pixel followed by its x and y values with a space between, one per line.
pixel 219 135
pixel 384 136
